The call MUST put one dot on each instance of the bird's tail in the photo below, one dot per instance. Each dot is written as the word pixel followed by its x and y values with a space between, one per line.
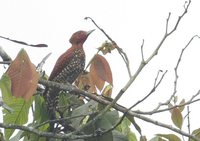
pixel 51 100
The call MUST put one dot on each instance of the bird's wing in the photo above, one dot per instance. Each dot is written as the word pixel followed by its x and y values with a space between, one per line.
pixel 61 63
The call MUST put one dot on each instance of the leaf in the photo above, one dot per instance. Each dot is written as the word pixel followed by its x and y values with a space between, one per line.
pixel 1 136
pixel 106 47
pixel 100 71
pixel 107 91
pixel 23 76
pixel 170 137
pixel 98 82
pixel 5 86
pixel 20 112
pixel 181 103
pixel 117 136
pixel 132 136
pixel 177 118
pixel 40 110
pixel 157 139
pixel 143 138
pixel 170 106
pixel 82 110
pixel 196 133
pixel 124 128
pixel 84 82
pixel 137 127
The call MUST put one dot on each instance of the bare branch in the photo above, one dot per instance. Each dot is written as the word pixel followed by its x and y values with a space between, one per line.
pixel 192 100
pixel 4 55
pixel 24 43
pixel 188 118
pixel 142 52
pixel 156 84
pixel 44 134
pixel 74 90
pixel 186 6
pixel 40 65
pixel 121 52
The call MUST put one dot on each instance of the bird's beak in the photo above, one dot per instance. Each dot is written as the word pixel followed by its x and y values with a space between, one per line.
pixel 90 31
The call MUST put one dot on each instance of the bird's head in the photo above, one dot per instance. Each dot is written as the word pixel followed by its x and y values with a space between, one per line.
pixel 80 37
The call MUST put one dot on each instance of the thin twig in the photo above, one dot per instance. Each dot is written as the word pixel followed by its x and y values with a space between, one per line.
pixel 69 87
pixel 44 134
pixel 142 52
pixel 60 120
pixel 156 84
pixel 5 62
pixel 121 52
pixel 188 118
pixel 40 65
pixel 176 77
pixel 24 43
pixel 192 100
pixel 4 55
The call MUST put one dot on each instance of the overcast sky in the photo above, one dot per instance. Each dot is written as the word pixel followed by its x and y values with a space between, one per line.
pixel 128 22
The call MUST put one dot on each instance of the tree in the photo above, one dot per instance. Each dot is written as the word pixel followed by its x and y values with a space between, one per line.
pixel 87 111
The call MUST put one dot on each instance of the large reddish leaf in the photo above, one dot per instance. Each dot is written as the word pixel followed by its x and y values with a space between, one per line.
pixel 23 75
pixel 98 82
pixel 100 71
pixel 177 117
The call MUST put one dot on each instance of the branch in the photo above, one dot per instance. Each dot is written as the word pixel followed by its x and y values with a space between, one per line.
pixel 74 90
pixel 156 84
pixel 24 43
pixel 120 51
pixel 44 134
pixel 4 55
pixel 40 65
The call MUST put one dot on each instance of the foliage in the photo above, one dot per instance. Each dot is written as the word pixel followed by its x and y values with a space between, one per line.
pixel 83 118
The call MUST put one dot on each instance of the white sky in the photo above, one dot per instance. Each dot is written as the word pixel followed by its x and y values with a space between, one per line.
pixel 127 22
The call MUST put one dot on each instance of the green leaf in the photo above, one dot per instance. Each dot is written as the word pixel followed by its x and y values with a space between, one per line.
pixel 157 139
pixel 117 136
pixel 124 128
pixel 143 138
pixel 1 136
pixel 105 122
pixel 177 117
pixel 68 101
pixel 137 127
pixel 182 107
pixel 196 133
pixel 20 107
pixel 40 113
pixel 5 85
pixel 17 137
pixel 170 137
pixel 132 136
pixel 85 109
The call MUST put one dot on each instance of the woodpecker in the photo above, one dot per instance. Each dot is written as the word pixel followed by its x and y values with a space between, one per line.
pixel 67 68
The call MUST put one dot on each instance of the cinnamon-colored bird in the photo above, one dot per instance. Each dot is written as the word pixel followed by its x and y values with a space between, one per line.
pixel 67 68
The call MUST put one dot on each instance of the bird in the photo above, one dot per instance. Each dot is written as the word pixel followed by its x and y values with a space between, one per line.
pixel 66 70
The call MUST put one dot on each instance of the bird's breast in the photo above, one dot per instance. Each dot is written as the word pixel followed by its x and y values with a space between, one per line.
pixel 72 67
